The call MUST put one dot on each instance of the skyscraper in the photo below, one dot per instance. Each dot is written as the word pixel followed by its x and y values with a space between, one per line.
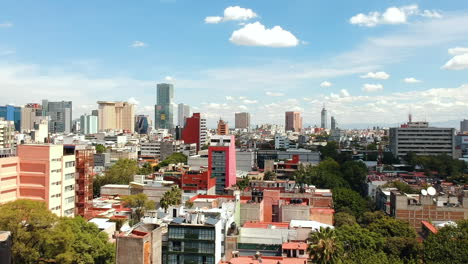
pixel 222 161
pixel 242 120
pixel 223 128
pixel 141 124
pixel 293 121
pixel 183 111
pixel 88 124
pixel 163 112
pixel 60 114
pixel 333 123
pixel 11 113
pixel 116 116
pixel 195 130
pixel 323 123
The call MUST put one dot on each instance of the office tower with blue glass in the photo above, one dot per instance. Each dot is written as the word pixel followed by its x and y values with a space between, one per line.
pixel 11 113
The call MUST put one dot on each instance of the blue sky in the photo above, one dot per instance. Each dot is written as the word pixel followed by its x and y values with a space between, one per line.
pixel 87 51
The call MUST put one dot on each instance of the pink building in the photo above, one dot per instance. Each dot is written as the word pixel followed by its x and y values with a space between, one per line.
pixel 222 161
pixel 40 173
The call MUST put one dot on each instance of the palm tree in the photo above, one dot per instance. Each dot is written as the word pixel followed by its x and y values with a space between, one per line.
pixel 171 197
pixel 324 247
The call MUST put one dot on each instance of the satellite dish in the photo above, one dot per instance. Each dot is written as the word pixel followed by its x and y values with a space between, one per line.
pixel 423 192
pixel 431 191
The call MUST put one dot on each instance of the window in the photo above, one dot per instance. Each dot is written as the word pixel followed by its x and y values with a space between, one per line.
pixel 70 200
pixel 69 164
pixel 70 176
pixel 69 188
pixel 57 170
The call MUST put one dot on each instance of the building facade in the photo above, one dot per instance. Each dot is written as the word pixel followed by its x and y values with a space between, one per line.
pixel 116 116
pixel 7 134
pixel 183 112
pixel 60 114
pixel 222 161
pixel 242 120
pixel 163 115
pixel 142 124
pixel 333 123
pixel 323 118
pixel 88 124
pixel 223 128
pixel 293 121
pixel 11 113
pixel 195 130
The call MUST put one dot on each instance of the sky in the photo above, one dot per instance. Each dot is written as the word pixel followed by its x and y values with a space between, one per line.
pixel 368 62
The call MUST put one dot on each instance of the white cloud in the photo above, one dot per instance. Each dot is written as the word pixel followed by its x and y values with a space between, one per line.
pixel 372 87
pixel 232 13
pixel 326 84
pixel 411 80
pixel 376 75
pixel 459 62
pixel 138 44
pixel 458 51
pixel 132 100
pixel 255 34
pixel 243 107
pixel 169 78
pixel 213 19
pixel 6 24
pixel 246 101
pixel 230 98
pixel 392 15
pixel 344 93
pixel 274 94
pixel 242 97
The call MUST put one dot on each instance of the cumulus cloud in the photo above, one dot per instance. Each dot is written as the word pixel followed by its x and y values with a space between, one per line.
pixel 232 13
pixel 256 34
pixel 458 51
pixel 138 44
pixel 230 98
pixel 368 87
pixel 246 101
pixel 169 78
pixel 392 15
pixel 274 94
pixel 459 61
pixel 6 24
pixel 326 84
pixel 376 75
pixel 344 93
pixel 411 80
pixel 132 100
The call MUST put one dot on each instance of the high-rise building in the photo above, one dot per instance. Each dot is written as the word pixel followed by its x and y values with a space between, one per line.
pixel 333 123
pixel 11 113
pixel 7 134
pixel 293 121
pixel 60 114
pixel 222 161
pixel 88 124
pixel 323 115
pixel 141 124
pixel 223 128
pixel 195 130
pixel 163 115
pixel 116 116
pixel 242 120
pixel 464 126
pixel 41 173
pixel 419 138
pixel 183 111
pixel 31 114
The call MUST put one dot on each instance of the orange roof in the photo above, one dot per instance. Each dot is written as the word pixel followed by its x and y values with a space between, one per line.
pixel 429 226
pixel 266 225
pixel 294 245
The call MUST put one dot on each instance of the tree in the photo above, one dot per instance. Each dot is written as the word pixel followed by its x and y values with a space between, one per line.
pixel 121 172
pixel 100 148
pixel 347 200
pixel 354 237
pixel 343 218
pixel 140 204
pixel 146 169
pixel 355 173
pixel 402 187
pixel 171 197
pixel 244 183
pixel 324 246
pixel 329 151
pixel 449 245
pixel 174 158
pixel 269 175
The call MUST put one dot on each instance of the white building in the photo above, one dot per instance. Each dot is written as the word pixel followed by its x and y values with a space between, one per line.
pixel 88 124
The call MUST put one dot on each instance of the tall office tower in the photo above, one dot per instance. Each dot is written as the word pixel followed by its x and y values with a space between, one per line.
pixel 31 114
pixel 41 173
pixel 141 124
pixel 222 161
pixel 95 112
pixel 419 138
pixel 7 134
pixel 293 121
pixel 116 116
pixel 60 114
pixel 323 115
pixel 242 120
pixel 195 130
pixel 163 112
pixel 183 111
pixel 464 126
pixel 11 113
pixel 223 128
pixel 333 123
pixel 88 124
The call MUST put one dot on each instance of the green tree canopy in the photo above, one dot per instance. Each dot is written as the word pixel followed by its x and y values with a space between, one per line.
pixel 324 246
pixel 121 172
pixel 140 204
pixel 171 197
pixel 343 218
pixel 347 200
pixel 100 148
pixel 449 245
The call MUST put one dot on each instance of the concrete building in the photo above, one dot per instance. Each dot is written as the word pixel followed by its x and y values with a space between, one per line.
pixel 419 138
pixel 183 112
pixel 198 181
pixel 116 116
pixel 41 173
pixel 281 142
pixel 163 112
pixel 333 123
pixel 88 124
pixel 245 160
pixel 7 134
pixel 242 120
pixel 223 128
pixel 11 113
pixel 222 161
pixel 60 114
pixel 464 126
pixel 142 244
pixel 323 118
pixel 293 121
pixel 31 114
pixel 195 130
pixel 142 124
pixel 40 132
pixel 161 149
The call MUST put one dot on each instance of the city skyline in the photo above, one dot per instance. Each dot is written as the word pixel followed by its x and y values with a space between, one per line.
pixel 366 66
